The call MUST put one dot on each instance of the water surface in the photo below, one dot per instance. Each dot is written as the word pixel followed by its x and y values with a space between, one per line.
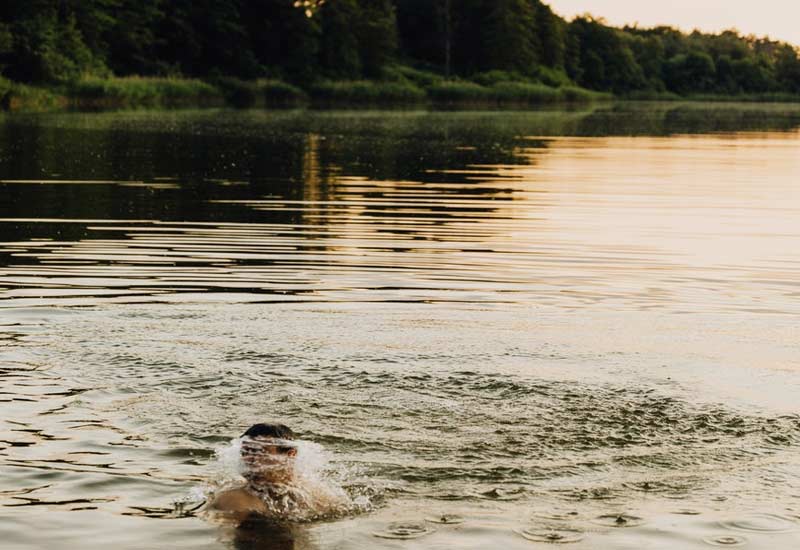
pixel 541 322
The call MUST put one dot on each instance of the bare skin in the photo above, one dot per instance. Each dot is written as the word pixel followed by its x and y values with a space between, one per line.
pixel 268 466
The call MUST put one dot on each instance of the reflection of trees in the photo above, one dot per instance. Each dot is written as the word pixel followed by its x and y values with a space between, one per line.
pixel 686 118
pixel 391 172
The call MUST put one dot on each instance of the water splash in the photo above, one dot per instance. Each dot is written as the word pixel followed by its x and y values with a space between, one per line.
pixel 314 492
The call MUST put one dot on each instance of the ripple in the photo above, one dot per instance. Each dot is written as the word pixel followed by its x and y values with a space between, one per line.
pixel 556 536
pixel 501 494
pixel 404 530
pixel 446 519
pixel 726 540
pixel 687 512
pixel 761 523
pixel 558 515
pixel 618 520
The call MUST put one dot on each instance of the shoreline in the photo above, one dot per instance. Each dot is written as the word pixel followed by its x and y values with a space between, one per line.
pixel 141 92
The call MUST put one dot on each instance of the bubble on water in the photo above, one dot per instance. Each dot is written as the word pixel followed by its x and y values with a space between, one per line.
pixel 404 530
pixel 726 540
pixel 446 519
pixel 618 520
pixel 761 523
pixel 555 536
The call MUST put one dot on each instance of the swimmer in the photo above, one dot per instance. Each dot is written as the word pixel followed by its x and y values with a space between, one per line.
pixel 274 489
pixel 268 453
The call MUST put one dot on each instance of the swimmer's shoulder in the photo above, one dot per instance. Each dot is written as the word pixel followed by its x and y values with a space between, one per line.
pixel 236 501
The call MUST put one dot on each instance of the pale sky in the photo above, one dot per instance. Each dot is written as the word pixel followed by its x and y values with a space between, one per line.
pixel 780 19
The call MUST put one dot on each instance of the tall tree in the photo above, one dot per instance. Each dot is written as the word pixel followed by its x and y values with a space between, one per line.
pixel 508 36
pixel 551 43
pixel 339 42
pixel 377 35
pixel 285 37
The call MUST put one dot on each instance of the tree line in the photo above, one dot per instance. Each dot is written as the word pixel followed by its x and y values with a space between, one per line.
pixel 303 41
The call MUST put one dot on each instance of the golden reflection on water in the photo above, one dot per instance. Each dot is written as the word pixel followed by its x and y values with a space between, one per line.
pixel 683 223
pixel 607 330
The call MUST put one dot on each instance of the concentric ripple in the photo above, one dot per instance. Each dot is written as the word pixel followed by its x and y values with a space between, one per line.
pixel 553 536
pixel 404 530
pixel 762 523
pixel 726 540
pixel 618 520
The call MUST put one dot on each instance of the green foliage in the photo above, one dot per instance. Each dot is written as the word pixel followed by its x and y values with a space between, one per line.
pixel 377 35
pixel 236 42
pixel 605 58
pixel 366 92
pixel 509 92
pixel 134 91
pixel 279 93
pixel 690 72
pixel 450 92
pixel 417 77
pixel 552 76
pixel 508 36
pixel 489 78
pixel 339 55
pixel 15 97
pixel 574 94
pixel 787 69
pixel 237 92
pixel 551 31
pixel 48 47
pixel 525 93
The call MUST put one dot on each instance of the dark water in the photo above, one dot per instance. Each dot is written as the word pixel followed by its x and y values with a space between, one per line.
pixel 560 326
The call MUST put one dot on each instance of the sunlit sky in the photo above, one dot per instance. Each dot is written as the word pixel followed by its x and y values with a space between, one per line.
pixel 780 19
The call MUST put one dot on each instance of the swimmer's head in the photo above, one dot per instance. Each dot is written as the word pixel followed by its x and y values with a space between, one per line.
pixel 268 452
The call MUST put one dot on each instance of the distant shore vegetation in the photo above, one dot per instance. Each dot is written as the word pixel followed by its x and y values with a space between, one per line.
pixel 119 53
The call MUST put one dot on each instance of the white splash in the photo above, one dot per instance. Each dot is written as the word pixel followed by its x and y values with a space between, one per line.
pixel 314 492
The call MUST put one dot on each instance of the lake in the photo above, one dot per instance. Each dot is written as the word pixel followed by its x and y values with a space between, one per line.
pixel 556 326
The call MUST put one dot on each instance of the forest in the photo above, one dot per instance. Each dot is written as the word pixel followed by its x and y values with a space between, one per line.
pixel 418 46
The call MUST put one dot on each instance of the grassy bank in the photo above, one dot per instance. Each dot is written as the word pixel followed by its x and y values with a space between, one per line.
pixel 14 97
pixel 764 97
pixel 400 86
pixel 140 91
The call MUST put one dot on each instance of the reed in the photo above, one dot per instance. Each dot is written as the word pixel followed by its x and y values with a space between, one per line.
pixel 360 92
pixel 280 93
pixel 454 92
pixel 142 91
pixel 16 97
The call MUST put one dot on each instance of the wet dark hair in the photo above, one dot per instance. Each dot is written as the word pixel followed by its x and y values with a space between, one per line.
pixel 278 431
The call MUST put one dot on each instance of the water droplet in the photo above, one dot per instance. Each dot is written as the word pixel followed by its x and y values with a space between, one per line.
pixel 618 520
pixel 404 530
pixel 556 536
pixel 726 540
pixel 446 519
pixel 761 523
